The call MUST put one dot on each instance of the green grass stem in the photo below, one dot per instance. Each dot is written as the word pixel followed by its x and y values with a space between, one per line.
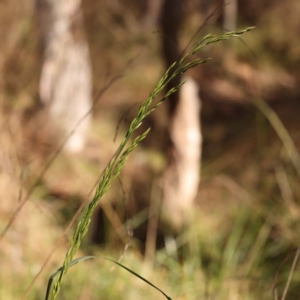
pixel 117 163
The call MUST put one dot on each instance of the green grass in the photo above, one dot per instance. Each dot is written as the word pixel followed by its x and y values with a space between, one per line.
pixel 117 163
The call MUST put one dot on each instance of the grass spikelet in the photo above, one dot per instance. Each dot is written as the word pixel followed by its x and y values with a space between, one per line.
pixel 211 39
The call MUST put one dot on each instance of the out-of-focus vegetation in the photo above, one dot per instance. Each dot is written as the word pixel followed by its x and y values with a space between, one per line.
pixel 244 236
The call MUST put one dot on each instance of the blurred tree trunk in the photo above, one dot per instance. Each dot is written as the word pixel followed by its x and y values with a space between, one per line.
pixel 153 12
pixel 230 15
pixel 170 21
pixel 65 83
pixel 182 176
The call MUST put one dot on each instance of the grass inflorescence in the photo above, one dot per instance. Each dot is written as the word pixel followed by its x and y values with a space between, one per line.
pixel 115 166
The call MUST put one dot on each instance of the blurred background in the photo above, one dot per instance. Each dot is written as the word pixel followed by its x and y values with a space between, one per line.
pixel 242 241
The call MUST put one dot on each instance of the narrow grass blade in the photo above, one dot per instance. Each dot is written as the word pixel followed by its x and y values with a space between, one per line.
pixel 139 276
pixel 281 131
pixel 77 260
pixel 72 263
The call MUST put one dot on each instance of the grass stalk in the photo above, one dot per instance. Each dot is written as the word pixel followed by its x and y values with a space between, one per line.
pixel 291 274
pixel 117 163
pixel 281 131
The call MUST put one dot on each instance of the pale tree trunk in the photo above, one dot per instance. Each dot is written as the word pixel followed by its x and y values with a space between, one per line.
pixel 153 12
pixel 230 15
pixel 182 176
pixel 65 83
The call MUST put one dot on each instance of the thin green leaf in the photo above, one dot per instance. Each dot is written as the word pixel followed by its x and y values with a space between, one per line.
pixel 77 260
pixel 72 263
pixel 139 276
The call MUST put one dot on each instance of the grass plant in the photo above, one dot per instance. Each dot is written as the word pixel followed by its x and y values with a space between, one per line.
pixel 118 161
